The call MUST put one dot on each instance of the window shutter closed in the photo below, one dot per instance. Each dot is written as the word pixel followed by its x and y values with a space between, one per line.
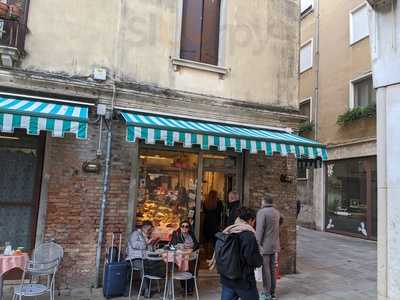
pixel 210 35
pixel 191 29
pixel 359 27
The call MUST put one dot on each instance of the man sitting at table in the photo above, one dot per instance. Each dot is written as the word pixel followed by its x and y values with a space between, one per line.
pixel 185 237
pixel 139 242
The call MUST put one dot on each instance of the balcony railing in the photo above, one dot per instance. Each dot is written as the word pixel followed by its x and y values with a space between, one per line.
pixel 12 34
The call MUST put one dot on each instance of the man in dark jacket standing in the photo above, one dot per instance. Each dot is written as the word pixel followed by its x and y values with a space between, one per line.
pixel 267 233
pixel 245 287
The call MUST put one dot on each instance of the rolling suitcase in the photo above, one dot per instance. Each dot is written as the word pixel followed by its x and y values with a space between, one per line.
pixel 115 272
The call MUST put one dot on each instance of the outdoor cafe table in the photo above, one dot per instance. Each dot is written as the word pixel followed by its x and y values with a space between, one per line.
pixel 10 262
pixel 181 258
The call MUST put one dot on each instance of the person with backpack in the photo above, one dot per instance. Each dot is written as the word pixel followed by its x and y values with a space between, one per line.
pixel 267 233
pixel 237 255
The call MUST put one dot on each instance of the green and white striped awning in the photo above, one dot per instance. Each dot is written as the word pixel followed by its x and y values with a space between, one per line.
pixel 171 130
pixel 35 116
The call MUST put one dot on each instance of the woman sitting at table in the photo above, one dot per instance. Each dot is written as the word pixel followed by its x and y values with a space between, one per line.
pixel 139 242
pixel 185 236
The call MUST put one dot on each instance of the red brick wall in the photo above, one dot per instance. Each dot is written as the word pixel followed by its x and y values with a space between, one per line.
pixel 264 177
pixel 74 198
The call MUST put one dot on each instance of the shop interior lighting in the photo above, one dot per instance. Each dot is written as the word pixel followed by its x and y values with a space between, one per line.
pixel 155 157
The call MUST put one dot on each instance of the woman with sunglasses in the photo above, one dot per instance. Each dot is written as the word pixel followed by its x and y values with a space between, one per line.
pixel 185 236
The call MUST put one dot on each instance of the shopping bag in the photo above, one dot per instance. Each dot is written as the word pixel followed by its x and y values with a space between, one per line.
pixel 258 274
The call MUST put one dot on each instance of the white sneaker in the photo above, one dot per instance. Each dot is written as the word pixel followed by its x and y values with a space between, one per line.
pixel 264 296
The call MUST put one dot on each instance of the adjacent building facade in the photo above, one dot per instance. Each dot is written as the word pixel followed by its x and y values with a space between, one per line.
pixel 112 113
pixel 337 95
pixel 385 38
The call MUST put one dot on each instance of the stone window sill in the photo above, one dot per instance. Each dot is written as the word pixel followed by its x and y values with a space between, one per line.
pixel 184 63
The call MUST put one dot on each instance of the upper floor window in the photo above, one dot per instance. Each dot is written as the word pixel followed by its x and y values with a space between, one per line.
pixel 305 108
pixel 306 56
pixel 364 93
pixel 359 24
pixel 306 6
pixel 200 30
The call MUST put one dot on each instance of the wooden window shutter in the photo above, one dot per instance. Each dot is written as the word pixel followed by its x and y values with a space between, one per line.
pixel 210 34
pixel 191 29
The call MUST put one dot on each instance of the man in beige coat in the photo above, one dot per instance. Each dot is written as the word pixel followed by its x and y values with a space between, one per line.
pixel 267 234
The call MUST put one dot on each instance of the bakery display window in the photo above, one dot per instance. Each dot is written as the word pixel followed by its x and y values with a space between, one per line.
pixel 167 189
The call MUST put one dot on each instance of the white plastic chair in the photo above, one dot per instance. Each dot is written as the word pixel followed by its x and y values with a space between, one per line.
pixel 185 276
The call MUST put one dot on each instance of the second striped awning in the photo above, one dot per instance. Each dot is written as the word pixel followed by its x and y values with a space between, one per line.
pixel 171 130
pixel 35 116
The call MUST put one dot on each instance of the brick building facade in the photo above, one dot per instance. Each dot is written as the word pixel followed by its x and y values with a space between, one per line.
pixel 73 202
pixel 138 69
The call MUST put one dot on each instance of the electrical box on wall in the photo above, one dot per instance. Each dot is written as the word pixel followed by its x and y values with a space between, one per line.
pixel 100 74
pixel 101 109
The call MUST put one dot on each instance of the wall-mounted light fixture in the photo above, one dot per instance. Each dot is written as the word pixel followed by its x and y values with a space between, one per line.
pixel 93 166
pixel 286 178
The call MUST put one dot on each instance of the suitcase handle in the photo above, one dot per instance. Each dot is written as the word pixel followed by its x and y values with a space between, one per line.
pixel 112 247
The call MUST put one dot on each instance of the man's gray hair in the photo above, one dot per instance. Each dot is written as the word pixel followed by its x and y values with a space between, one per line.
pixel 267 200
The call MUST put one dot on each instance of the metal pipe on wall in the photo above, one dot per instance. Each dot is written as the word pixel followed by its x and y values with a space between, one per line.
pixel 105 190
pixel 316 66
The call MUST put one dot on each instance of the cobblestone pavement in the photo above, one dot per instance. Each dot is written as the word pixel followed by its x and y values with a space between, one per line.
pixel 330 267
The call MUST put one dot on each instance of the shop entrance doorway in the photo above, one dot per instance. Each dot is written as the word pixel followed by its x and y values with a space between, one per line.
pixel 219 177
pixel 214 214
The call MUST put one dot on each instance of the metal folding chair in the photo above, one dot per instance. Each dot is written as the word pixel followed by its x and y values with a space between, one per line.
pixel 37 269
pixel 45 261
pixel 134 269
pixel 185 276
pixel 147 274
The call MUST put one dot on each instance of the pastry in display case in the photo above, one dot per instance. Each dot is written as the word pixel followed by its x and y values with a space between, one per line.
pixel 167 191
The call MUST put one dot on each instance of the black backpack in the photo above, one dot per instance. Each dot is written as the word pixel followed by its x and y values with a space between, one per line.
pixel 227 255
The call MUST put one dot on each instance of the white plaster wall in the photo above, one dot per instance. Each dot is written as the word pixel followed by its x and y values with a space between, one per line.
pixel 135 39
pixel 385 46
pixel 358 149
pixel 388 110
pixel 385 43
pixel 319 198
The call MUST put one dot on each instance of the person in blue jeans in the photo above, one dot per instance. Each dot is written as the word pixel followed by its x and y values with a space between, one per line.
pixel 245 287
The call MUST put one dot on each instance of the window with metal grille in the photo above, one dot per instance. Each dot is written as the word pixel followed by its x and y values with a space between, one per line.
pixel 13 20
pixel 200 30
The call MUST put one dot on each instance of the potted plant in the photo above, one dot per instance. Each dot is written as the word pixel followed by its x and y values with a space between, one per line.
pixel 4 8
pixel 15 11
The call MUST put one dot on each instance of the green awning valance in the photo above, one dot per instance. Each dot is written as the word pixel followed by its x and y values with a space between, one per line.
pixel 171 130
pixel 35 116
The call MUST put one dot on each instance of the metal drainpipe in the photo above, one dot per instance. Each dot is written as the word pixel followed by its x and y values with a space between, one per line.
pixel 105 192
pixel 316 88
